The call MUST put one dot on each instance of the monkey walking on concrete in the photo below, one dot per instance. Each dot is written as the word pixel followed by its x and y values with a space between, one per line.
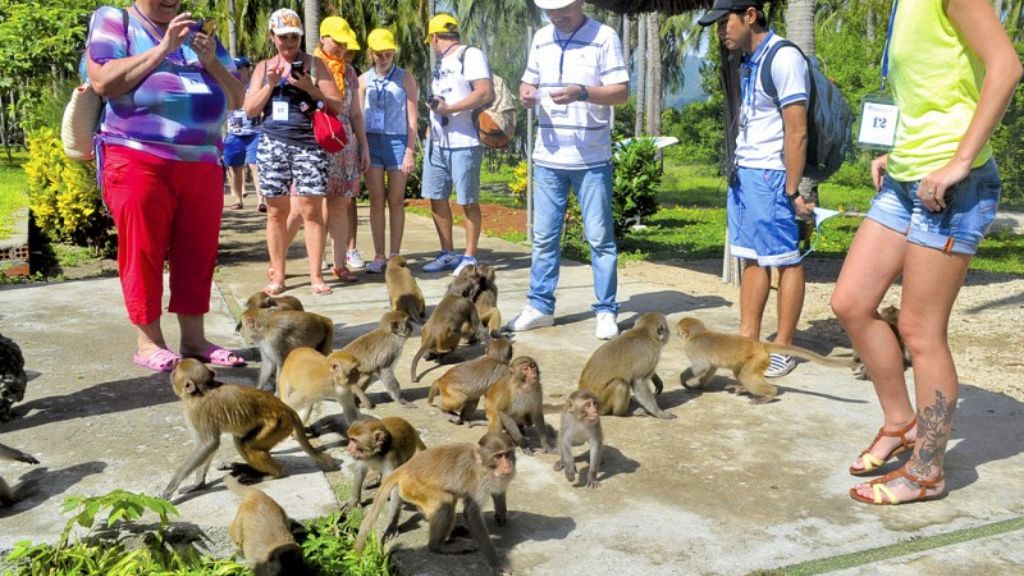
pixel 382 445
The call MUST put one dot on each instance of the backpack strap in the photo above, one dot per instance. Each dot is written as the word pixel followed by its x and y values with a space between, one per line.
pixel 767 83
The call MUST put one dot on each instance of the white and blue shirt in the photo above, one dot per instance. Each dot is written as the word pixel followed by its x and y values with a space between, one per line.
pixel 575 135
pixel 761 138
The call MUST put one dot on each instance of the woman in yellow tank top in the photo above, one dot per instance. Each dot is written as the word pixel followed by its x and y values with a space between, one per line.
pixel 953 72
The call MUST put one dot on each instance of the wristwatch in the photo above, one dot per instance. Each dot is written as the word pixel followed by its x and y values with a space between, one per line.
pixel 794 195
pixel 584 95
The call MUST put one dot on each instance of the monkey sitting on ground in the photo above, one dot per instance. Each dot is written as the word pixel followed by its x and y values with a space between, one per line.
pixel 262 530
pixel 485 300
pixel 747 358
pixel 7 495
pixel 277 303
pixel 891 315
pixel 377 353
pixel 517 401
pixel 404 293
pixel 435 480
pixel 581 422
pixel 279 332
pixel 443 331
pixel 462 386
pixel 625 364
pixel 256 418
pixel 309 377
pixel 382 445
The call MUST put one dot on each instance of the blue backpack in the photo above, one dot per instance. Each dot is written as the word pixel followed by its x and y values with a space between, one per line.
pixel 829 119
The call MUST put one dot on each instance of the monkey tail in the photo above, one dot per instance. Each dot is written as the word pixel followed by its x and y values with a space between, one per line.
pixel 434 389
pixel 416 361
pixel 237 488
pixel 808 355
pixel 383 492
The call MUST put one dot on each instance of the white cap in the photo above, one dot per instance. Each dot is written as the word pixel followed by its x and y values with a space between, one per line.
pixel 552 4
pixel 285 21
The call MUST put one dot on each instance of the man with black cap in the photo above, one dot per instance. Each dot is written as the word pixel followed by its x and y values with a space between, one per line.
pixel 771 149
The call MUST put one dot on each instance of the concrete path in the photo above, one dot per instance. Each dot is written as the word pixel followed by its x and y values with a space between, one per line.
pixel 726 488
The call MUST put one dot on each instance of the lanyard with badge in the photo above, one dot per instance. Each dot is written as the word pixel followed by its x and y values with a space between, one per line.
pixel 192 82
pixel 563 109
pixel 279 103
pixel 376 122
pixel 879 113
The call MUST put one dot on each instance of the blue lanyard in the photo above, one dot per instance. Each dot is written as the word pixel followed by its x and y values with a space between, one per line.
pixel 564 45
pixel 888 38
pixel 153 37
pixel 380 84
pixel 748 75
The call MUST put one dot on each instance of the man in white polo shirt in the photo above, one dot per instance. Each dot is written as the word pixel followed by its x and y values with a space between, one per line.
pixel 771 149
pixel 576 73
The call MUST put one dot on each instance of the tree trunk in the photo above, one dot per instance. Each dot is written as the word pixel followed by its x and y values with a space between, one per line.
pixel 654 87
pixel 232 29
pixel 640 56
pixel 800 30
pixel 870 26
pixel 626 33
pixel 311 21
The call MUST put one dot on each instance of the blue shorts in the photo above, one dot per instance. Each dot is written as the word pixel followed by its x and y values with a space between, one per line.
pixel 386 150
pixel 762 220
pixel 445 167
pixel 970 209
pixel 240 150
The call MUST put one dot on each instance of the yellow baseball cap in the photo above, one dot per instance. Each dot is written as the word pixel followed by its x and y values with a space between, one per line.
pixel 442 23
pixel 337 29
pixel 380 40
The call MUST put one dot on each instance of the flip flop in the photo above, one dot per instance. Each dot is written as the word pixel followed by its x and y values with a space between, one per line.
pixel 344 275
pixel 322 289
pixel 219 356
pixel 163 360
pixel 274 288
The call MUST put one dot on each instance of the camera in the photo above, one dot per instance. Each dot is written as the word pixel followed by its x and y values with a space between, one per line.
pixel 297 68
pixel 433 101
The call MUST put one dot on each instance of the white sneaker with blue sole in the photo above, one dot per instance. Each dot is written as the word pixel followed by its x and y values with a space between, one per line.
pixel 444 261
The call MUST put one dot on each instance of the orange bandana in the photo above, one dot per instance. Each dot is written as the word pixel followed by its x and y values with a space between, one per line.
pixel 337 68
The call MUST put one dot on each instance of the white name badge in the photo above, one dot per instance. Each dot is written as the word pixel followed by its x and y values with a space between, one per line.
pixel 376 123
pixel 878 118
pixel 279 111
pixel 193 83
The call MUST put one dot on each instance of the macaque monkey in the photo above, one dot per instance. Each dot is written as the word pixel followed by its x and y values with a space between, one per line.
pixel 256 418
pixel 377 353
pixel 7 495
pixel 404 293
pixel 262 530
pixel 278 333
pixel 581 422
pixel 443 331
pixel 309 377
pixel 486 301
pixel 436 479
pixel 891 315
pixel 277 303
pixel 517 401
pixel 625 364
pixel 382 445
pixel 462 386
pixel 747 358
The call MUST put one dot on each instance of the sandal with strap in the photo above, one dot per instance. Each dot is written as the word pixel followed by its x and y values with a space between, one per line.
pixel 880 490
pixel 870 462
pixel 344 275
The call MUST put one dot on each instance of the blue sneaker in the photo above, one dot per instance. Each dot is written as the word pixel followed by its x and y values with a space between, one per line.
pixel 444 261
pixel 463 262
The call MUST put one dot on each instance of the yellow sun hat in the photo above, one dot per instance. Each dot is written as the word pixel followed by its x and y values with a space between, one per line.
pixel 440 24
pixel 337 29
pixel 381 40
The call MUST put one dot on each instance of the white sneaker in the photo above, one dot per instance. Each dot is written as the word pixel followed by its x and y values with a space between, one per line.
pixel 378 266
pixel 529 319
pixel 779 365
pixel 444 261
pixel 463 262
pixel 607 327
pixel 354 260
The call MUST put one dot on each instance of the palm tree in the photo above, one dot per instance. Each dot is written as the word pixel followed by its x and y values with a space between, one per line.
pixel 311 21
pixel 800 30
pixel 655 87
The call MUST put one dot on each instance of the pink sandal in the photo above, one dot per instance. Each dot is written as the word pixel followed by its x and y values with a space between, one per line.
pixel 163 360
pixel 219 356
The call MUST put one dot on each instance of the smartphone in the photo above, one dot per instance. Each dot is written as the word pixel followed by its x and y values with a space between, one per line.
pixel 208 27
pixel 297 68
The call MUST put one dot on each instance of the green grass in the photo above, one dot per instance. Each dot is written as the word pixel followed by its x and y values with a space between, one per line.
pixel 13 192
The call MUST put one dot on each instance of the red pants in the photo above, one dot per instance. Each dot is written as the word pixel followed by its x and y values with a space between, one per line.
pixel 163 208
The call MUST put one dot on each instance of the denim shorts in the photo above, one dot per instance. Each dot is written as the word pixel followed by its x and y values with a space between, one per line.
pixel 970 209
pixel 445 167
pixel 762 220
pixel 281 163
pixel 240 150
pixel 386 150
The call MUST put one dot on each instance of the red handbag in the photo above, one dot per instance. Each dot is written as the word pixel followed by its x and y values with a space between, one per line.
pixel 329 131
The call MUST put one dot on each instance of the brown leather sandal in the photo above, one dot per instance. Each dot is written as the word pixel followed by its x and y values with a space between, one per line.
pixel 871 462
pixel 879 489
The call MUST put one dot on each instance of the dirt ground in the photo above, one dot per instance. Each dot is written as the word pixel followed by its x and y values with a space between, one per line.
pixel 985 329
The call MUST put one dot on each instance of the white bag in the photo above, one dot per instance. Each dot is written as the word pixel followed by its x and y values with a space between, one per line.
pixel 78 127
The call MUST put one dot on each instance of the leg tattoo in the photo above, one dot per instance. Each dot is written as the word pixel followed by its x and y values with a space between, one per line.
pixel 933 428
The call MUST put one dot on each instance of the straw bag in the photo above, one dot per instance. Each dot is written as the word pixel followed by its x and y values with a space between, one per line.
pixel 78 127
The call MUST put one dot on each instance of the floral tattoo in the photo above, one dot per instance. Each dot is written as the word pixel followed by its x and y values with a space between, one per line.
pixel 933 427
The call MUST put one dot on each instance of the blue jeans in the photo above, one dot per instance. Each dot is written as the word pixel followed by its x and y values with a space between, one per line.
pixel 593 188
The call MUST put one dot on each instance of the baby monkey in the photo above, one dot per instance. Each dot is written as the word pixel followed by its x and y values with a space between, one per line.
pixel 382 445
pixel 747 358
pixel 581 422
pixel 262 530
